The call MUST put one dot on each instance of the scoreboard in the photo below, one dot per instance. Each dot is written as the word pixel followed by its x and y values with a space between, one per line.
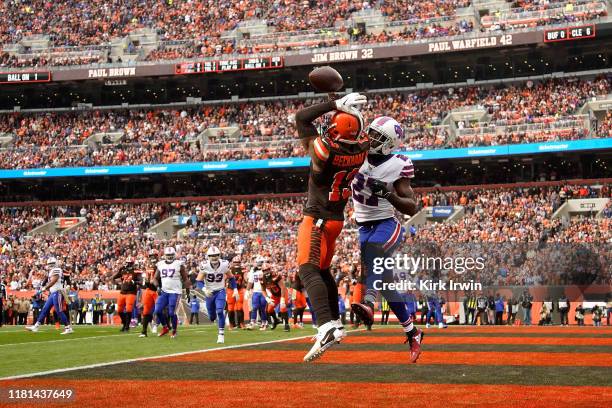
pixel 228 65
pixel 24 77
pixel 569 33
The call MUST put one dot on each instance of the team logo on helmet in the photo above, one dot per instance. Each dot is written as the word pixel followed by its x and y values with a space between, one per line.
pixel 385 135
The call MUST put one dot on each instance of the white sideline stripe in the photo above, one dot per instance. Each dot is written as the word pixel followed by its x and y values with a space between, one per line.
pixel 83 338
pixel 132 360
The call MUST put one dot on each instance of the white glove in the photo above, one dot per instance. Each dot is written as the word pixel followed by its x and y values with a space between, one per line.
pixel 269 300
pixel 350 102
pixel 208 292
pixel 236 294
pixel 282 302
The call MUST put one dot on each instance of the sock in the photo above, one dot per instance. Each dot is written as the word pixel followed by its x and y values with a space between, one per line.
pixel 310 276
pixel 174 319
pixel 332 293
pixel 145 323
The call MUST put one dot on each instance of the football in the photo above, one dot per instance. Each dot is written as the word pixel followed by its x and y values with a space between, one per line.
pixel 326 79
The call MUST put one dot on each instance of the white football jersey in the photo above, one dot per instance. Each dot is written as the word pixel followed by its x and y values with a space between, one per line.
pixel 59 284
pixel 214 278
pixel 255 276
pixel 372 208
pixel 170 274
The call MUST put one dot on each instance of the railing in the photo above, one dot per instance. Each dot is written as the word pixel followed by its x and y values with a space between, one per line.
pixel 557 10
pixel 546 124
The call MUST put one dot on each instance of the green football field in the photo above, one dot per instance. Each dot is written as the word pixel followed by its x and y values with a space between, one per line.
pixel 460 366
pixel 24 352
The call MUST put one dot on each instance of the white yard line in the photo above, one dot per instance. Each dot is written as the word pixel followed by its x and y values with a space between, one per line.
pixel 63 370
pixel 86 338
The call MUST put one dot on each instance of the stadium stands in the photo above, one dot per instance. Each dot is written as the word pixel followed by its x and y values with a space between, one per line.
pixel 521 113
pixel 38 33
pixel 500 218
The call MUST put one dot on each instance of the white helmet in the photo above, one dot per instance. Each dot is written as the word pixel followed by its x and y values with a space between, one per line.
pixel 387 132
pixel 51 261
pixel 169 253
pixel 213 251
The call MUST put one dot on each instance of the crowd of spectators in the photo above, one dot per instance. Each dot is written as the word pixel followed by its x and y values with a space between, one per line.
pixel 59 139
pixel 511 227
pixel 191 29
pixel 532 13
pixel 605 127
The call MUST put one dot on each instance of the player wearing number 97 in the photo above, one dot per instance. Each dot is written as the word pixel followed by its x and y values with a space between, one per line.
pixel 382 186
pixel 54 284
pixel 335 155
pixel 211 279
pixel 171 278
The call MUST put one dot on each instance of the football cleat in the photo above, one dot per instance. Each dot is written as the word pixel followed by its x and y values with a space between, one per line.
pixel 173 335
pixel 327 336
pixel 340 327
pixel 164 331
pixel 142 335
pixel 67 330
pixel 442 325
pixel 33 328
pixel 220 339
pixel 287 328
pixel 427 326
pixel 365 312
pixel 415 345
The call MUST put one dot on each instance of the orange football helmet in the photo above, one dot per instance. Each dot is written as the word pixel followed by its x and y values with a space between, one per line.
pixel 345 127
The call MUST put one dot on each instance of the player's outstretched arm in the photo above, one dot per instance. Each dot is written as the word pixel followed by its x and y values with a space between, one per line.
pixel 304 118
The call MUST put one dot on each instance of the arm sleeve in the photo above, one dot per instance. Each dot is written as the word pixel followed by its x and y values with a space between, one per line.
pixel 305 116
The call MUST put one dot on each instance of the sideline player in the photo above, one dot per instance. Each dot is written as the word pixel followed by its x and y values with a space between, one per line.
pixel 211 279
pixel 54 286
pixel 335 155
pixel 256 292
pixel 127 295
pixel 149 293
pixel 381 187
pixel 235 305
pixel 277 296
pixel 171 278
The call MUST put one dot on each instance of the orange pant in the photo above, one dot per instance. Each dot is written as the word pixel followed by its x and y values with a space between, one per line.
pixel 126 303
pixel 229 299
pixel 316 245
pixel 149 297
pixel 300 300
pixel 233 304
pixel 277 300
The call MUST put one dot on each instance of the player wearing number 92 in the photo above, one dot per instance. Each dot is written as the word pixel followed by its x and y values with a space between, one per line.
pixel 211 279
pixel 170 278
pixel 335 155
pixel 382 186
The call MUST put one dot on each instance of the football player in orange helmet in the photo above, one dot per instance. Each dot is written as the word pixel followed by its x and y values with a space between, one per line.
pixel 336 156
